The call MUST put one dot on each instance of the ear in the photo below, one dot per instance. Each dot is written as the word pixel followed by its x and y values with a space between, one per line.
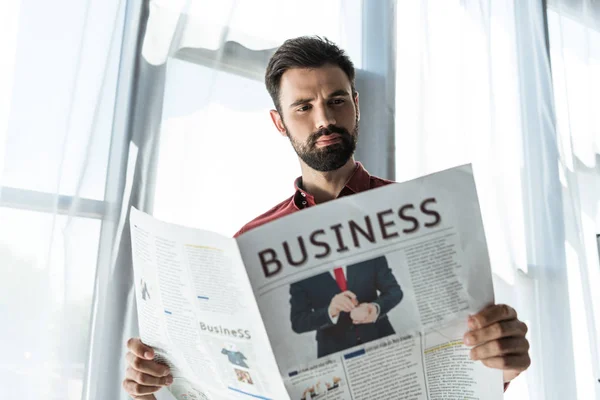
pixel 357 106
pixel 278 122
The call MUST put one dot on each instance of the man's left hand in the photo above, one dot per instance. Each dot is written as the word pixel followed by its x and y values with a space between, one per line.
pixel 365 313
pixel 499 340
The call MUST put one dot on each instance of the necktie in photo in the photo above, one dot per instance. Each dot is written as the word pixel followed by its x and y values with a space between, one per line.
pixel 343 285
pixel 340 279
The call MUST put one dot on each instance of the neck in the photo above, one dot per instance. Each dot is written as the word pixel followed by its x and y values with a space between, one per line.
pixel 325 186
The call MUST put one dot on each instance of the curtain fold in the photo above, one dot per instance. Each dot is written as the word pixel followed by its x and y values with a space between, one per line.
pixel 574 37
pixel 138 121
pixel 258 25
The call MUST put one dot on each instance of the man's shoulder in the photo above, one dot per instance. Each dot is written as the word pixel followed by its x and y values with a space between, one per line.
pixel 278 211
pixel 375 182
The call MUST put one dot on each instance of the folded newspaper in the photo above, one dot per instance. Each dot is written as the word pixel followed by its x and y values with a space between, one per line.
pixel 361 298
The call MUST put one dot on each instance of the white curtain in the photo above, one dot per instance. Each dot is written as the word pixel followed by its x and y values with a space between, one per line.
pixel 220 162
pixel 474 84
pixel 58 82
pixel 574 33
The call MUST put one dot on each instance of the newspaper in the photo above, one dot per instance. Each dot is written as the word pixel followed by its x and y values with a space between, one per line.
pixel 364 297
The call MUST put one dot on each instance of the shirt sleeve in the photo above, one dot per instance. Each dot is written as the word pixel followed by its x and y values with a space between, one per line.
pixel 378 309
pixel 334 320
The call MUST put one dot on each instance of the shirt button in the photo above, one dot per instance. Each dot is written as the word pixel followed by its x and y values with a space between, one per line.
pixel 304 203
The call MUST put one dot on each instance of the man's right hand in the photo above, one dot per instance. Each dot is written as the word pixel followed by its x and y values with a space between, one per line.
pixel 144 376
pixel 345 301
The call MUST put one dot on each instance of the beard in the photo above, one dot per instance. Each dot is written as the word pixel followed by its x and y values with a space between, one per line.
pixel 331 157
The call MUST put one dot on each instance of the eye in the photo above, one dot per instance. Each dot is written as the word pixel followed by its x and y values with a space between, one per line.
pixel 303 108
pixel 338 101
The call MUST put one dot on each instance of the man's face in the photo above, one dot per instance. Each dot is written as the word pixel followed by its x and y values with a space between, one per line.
pixel 319 115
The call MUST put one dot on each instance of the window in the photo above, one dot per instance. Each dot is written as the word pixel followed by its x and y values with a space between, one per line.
pixel 221 161
pixel 56 105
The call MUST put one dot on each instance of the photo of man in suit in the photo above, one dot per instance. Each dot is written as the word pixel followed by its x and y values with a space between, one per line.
pixel 347 306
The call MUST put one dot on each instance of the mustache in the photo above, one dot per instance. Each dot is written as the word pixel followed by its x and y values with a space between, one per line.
pixel 328 131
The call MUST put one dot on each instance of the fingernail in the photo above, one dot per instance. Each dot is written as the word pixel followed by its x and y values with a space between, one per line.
pixel 148 355
pixel 468 340
pixel 472 323
pixel 169 380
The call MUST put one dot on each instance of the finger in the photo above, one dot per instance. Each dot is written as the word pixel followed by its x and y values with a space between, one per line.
pixel 352 303
pixel 490 315
pixel 135 389
pixel 357 320
pixel 361 319
pixel 349 294
pixel 145 379
pixel 352 297
pixel 518 362
pixel 146 397
pixel 500 347
pixel 138 348
pixel 345 304
pixel 495 331
pixel 148 367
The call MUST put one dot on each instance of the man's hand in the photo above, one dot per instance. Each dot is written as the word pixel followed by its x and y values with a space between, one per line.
pixel 345 301
pixel 144 376
pixel 499 340
pixel 366 313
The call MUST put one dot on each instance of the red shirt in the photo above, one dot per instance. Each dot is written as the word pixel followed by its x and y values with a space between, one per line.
pixel 360 181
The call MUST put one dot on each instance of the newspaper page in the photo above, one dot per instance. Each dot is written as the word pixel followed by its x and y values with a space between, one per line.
pixel 197 310
pixel 367 297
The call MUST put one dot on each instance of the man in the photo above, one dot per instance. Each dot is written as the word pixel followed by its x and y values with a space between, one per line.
pixel 347 307
pixel 311 82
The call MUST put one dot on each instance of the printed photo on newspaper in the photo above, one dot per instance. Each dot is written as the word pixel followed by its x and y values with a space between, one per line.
pixel 364 297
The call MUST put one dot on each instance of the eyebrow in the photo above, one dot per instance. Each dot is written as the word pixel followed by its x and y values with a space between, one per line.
pixel 340 92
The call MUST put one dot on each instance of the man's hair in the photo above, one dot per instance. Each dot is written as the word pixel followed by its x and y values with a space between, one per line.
pixel 305 52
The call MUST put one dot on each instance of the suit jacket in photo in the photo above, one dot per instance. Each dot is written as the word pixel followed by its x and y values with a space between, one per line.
pixel 371 281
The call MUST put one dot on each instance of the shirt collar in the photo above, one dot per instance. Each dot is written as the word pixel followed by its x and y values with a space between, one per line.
pixel 359 181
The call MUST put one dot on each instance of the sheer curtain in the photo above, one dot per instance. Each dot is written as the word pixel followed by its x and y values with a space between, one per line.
pixel 574 35
pixel 458 101
pixel 474 84
pixel 221 163
pixel 58 82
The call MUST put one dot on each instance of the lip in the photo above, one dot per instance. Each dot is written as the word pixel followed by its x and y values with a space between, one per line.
pixel 329 139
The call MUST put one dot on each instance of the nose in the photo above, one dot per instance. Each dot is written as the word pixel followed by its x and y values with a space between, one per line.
pixel 324 117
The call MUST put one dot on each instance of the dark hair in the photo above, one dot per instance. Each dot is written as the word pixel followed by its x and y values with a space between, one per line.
pixel 305 52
